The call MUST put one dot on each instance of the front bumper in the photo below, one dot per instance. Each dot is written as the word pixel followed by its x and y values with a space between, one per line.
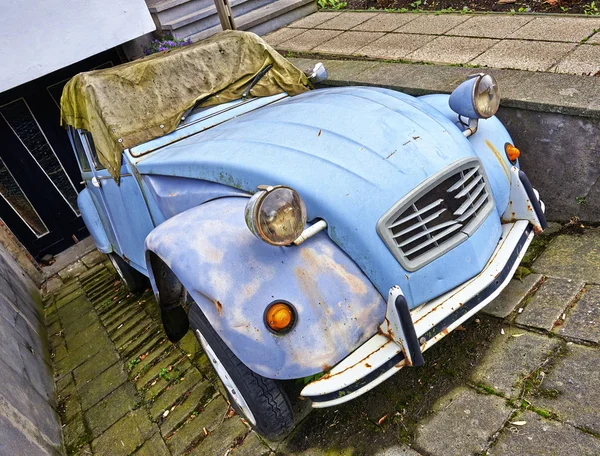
pixel 381 356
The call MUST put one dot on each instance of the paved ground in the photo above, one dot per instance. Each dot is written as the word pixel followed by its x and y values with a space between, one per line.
pixel 524 42
pixel 522 378
pixel 122 387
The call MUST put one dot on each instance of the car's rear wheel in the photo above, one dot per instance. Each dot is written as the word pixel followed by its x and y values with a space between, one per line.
pixel 130 277
pixel 260 400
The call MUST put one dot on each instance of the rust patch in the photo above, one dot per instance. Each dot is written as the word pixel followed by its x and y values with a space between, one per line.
pixel 537 229
pixel 444 331
pixel 499 158
pixel 367 365
pixel 219 307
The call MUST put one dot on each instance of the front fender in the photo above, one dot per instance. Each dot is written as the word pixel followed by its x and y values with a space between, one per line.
pixel 233 276
pixel 92 221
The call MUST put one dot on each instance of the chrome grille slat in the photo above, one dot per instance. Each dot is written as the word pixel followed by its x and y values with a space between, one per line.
pixel 465 177
pixel 473 209
pixel 435 238
pixel 421 223
pixel 469 187
pixel 419 212
pixel 438 215
pixel 464 206
pixel 427 232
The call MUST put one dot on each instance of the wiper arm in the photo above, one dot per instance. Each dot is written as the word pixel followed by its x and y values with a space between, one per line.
pixel 256 79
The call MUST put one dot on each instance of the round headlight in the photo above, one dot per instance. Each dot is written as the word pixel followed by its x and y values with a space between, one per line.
pixel 276 215
pixel 486 96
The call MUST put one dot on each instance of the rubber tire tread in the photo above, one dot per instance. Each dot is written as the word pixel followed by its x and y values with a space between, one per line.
pixel 269 403
pixel 133 280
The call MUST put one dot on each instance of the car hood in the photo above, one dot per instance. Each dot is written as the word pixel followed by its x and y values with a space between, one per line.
pixel 351 153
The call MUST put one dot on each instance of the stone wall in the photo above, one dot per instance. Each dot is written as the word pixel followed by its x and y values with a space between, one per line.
pixel 29 423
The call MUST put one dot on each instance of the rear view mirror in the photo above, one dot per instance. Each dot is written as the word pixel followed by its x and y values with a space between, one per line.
pixel 317 74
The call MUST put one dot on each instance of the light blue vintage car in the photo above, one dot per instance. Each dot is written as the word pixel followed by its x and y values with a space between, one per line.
pixel 341 232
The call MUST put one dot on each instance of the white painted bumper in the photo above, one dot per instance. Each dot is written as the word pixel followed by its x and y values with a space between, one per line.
pixel 380 357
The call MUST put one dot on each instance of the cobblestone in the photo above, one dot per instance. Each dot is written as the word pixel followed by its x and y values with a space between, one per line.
pixel 549 303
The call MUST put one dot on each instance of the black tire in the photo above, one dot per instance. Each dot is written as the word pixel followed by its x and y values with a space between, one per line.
pixel 130 277
pixel 267 401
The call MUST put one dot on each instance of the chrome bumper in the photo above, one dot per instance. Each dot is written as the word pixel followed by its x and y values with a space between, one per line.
pixel 384 354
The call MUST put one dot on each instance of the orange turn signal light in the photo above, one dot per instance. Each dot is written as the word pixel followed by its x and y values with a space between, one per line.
pixel 512 152
pixel 280 316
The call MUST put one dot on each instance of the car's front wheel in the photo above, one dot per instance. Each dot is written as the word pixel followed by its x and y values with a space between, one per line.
pixel 260 400
pixel 130 277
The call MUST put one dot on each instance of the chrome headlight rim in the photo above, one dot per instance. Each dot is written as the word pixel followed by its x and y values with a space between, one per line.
pixel 252 214
pixel 474 95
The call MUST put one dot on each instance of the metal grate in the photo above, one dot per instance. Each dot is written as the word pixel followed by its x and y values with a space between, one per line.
pixel 438 215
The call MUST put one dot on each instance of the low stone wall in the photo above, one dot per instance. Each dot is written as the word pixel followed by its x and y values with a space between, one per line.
pixel 553 118
pixel 28 421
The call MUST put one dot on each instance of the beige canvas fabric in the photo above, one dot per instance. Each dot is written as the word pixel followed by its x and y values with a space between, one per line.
pixel 132 103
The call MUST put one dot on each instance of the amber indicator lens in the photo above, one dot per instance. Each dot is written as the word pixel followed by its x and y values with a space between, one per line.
pixel 280 317
pixel 512 152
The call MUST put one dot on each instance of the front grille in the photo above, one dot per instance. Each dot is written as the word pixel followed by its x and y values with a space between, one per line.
pixel 438 215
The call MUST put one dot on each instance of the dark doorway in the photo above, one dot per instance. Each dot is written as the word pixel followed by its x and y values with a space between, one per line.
pixel 39 177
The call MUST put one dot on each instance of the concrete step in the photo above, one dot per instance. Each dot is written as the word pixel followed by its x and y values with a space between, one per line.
pixel 207 17
pixel 264 19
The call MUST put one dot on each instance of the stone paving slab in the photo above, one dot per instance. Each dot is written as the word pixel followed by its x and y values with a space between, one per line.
pixel 512 296
pixel 448 49
pixel 428 24
pixel 394 45
pixel 346 21
pixel 194 401
pixel 123 437
pixel 110 409
pixel 540 436
pixel 574 257
pixel 583 320
pixel 222 438
pixel 385 22
pixel 464 423
pixel 155 446
pixel 511 358
pixel 569 29
pixel 177 390
pixel 532 43
pixel 315 19
pixel 490 26
pixel 524 55
pixel 95 365
pixel 347 42
pixel 583 60
pixel 549 303
pixel 102 385
pixel 574 382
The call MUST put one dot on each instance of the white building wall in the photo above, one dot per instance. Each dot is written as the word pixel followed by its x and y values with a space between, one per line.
pixel 41 36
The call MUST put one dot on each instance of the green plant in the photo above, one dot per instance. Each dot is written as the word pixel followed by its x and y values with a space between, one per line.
pixel 132 363
pixel 331 4
pixel 564 9
pixel 591 9
pixel 523 9
pixel 581 200
pixel 415 5
pixel 164 374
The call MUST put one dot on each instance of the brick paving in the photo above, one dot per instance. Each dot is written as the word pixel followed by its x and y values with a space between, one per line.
pixel 523 42
pixel 122 387
pixel 521 378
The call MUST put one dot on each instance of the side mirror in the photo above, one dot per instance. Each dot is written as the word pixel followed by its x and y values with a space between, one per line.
pixel 317 74
pixel 476 98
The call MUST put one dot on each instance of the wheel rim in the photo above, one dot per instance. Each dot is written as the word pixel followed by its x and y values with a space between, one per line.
pixel 118 269
pixel 234 392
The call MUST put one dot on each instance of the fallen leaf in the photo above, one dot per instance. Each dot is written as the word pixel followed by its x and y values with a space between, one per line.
pixel 518 423
pixel 517 335
pixel 382 419
pixel 552 2
pixel 205 431
pixel 460 328
pixel 230 412
pixel 165 414
pixel 504 2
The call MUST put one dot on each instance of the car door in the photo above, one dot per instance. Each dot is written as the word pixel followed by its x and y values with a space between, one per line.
pixel 124 205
